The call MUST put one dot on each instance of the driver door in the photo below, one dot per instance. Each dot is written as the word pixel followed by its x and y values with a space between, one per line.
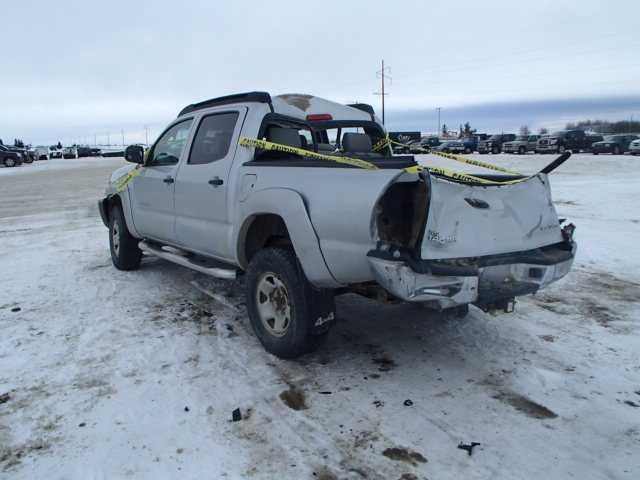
pixel 153 190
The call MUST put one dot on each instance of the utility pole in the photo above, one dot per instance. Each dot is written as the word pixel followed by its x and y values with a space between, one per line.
pixel 382 74
pixel 95 139
pixel 122 132
pixel 108 139
pixel 146 135
pixel 438 110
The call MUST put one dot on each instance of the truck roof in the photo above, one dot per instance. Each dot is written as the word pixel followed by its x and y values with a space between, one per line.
pixel 297 105
pixel 301 105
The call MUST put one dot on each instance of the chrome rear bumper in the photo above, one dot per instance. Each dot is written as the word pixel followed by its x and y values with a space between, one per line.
pixel 487 285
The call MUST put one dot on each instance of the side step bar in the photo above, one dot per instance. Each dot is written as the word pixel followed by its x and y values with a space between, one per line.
pixel 185 261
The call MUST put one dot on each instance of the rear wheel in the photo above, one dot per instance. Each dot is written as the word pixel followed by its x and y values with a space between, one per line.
pixel 616 150
pixel 522 150
pixel 288 315
pixel 125 253
pixel 495 150
pixel 467 150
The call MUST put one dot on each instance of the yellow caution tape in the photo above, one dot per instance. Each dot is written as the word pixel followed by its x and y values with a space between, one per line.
pixel 444 172
pixel 122 182
pixel 278 147
pixel 450 156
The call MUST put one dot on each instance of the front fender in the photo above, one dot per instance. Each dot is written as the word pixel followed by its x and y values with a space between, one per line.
pixel 288 205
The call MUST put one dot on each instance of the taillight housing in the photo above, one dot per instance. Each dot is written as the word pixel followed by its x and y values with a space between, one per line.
pixel 319 117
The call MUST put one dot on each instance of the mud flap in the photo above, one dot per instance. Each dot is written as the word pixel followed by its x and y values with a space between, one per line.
pixel 322 309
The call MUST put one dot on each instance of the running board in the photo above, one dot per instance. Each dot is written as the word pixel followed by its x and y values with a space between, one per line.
pixel 184 260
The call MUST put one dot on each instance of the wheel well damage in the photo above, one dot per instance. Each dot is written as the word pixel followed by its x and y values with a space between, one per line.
pixel 401 214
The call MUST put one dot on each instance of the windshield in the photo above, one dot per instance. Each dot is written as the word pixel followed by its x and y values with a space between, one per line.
pixel 558 133
pixel 495 137
pixel 522 138
pixel 610 138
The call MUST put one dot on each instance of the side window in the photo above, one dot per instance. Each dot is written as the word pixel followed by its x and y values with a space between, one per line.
pixel 213 138
pixel 169 147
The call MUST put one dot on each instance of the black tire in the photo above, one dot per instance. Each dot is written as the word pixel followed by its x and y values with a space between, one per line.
pixel 125 253
pixel 522 150
pixel 616 150
pixel 10 162
pixel 467 150
pixel 292 298
pixel 495 150
pixel 561 149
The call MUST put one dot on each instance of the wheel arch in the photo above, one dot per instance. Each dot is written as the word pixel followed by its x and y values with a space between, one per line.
pixel 106 204
pixel 279 217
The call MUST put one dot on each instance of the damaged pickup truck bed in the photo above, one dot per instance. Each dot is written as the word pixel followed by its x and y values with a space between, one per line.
pixel 302 222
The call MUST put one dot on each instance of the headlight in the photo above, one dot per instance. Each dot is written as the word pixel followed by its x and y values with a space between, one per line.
pixel 553 141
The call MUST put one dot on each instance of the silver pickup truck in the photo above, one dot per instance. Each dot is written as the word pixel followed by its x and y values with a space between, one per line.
pixel 302 228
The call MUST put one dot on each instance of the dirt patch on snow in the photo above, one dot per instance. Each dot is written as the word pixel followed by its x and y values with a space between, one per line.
pixel 404 455
pixel 294 399
pixel 385 363
pixel 525 405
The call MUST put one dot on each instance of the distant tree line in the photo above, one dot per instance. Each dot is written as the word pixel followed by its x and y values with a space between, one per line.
pixel 604 126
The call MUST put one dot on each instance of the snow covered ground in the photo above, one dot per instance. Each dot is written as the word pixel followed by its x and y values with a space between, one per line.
pixel 115 374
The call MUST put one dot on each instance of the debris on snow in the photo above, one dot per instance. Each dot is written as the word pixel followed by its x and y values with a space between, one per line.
pixel 468 447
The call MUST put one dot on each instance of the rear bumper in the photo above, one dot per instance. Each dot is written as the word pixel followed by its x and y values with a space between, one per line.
pixel 482 280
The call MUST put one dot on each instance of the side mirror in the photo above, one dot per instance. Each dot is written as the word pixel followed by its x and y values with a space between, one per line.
pixel 134 154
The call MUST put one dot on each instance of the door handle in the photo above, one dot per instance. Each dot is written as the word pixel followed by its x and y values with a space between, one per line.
pixel 168 180
pixel 216 181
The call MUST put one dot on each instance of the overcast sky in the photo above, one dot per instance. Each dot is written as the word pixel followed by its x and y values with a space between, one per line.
pixel 72 69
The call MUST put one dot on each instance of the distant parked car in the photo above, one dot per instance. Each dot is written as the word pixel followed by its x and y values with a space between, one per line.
pixel 494 143
pixel 563 140
pixel 55 152
pixel 31 155
pixel 634 148
pixel 9 158
pixel 22 151
pixel 426 143
pixel 42 152
pixel 522 144
pixel 615 144
pixel 70 152
pixel 451 146
pixel 87 151
pixel 470 144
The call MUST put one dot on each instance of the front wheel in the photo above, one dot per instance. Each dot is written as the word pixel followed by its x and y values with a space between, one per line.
pixel 9 162
pixel 522 151
pixel 125 253
pixel 495 150
pixel 616 150
pixel 288 315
